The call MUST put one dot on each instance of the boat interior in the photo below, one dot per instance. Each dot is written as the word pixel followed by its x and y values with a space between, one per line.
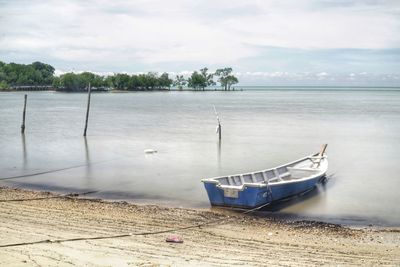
pixel 292 171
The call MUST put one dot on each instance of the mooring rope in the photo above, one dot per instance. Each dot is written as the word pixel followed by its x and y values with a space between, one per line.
pixel 52 171
pixel 137 234
pixel 69 195
pixel 129 234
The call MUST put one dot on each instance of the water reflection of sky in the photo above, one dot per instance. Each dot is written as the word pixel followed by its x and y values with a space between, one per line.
pixel 260 130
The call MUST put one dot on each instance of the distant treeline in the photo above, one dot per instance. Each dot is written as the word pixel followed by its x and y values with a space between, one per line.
pixel 120 81
pixel 38 74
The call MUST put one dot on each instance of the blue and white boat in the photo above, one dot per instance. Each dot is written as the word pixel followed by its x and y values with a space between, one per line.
pixel 254 189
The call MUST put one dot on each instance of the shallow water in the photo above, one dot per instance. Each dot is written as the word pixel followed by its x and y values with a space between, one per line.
pixel 260 129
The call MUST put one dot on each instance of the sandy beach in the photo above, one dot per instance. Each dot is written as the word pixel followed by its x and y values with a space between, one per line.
pixel 235 239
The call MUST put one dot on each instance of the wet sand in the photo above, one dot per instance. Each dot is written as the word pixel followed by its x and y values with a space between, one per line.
pixel 235 240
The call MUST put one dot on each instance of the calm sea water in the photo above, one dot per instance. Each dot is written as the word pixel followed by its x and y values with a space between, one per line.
pixel 261 129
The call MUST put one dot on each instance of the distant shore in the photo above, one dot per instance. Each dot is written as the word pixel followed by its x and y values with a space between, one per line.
pixel 30 216
pixel 124 91
pixel 239 89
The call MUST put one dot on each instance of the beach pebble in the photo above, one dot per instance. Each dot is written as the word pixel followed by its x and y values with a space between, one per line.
pixel 174 239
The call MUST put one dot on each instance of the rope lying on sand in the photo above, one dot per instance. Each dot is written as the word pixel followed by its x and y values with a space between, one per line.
pixel 134 234
pixel 70 195
pixel 128 234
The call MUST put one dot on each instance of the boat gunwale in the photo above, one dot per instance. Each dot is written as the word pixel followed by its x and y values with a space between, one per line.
pixel 320 173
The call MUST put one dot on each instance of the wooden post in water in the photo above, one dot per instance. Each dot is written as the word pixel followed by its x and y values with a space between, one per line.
pixel 219 127
pixel 219 131
pixel 87 111
pixel 24 154
pixel 23 116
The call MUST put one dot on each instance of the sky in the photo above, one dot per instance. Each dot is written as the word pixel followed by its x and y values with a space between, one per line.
pixel 266 42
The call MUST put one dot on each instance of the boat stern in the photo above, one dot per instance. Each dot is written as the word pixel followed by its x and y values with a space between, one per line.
pixel 235 196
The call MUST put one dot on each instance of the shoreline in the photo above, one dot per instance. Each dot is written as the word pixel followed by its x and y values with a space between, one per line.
pixel 233 238
pixel 124 91
pixel 247 88
pixel 346 220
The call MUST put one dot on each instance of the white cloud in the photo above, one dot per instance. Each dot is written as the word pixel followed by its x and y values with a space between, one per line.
pixel 95 34
pixel 186 33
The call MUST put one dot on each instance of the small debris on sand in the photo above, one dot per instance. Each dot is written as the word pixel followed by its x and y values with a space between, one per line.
pixel 174 239
pixel 234 240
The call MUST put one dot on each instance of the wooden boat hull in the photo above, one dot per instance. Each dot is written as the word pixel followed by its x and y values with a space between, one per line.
pixel 254 197
pixel 255 189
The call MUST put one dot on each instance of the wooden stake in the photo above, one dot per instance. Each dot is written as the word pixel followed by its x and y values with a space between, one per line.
pixel 88 165
pixel 219 153
pixel 219 127
pixel 23 116
pixel 87 152
pixel 87 111
pixel 24 154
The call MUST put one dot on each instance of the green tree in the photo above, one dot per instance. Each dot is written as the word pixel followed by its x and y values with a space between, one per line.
pixel 56 82
pixel 134 83
pixel 98 81
pixel 209 77
pixel 72 82
pixel 152 80
pixel 179 82
pixel 95 80
pixel 44 73
pixel 226 79
pixel 86 78
pixel 231 80
pixel 197 81
pixel 3 76
pixel 121 81
pixel 36 73
pixel 143 81
pixel 3 85
pixel 200 80
pixel 164 81
pixel 109 81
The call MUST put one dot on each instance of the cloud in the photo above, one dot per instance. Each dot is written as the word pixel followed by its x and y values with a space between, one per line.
pixel 143 35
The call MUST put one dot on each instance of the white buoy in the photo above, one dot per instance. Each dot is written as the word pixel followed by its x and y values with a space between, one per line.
pixel 150 151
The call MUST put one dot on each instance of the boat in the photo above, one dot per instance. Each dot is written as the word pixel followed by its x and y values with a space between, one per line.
pixel 255 189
